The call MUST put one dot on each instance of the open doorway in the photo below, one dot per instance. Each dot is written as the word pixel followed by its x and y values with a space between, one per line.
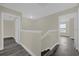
pixel 66 35
pixel 11 28
pixel 11 45
pixel 66 25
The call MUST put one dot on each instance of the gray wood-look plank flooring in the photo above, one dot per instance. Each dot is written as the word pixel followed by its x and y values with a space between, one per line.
pixel 66 48
pixel 11 48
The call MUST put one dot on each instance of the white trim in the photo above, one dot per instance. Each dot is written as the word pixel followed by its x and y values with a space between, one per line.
pixel 38 31
pixel 54 45
pixel 52 30
pixel 17 25
pixel 8 14
pixel 77 49
pixel 44 35
pixel 58 28
pixel 47 33
pixel 72 37
pixel 17 28
pixel 35 31
pixel 51 46
pixel 76 30
pixel 30 52
pixel 9 36
pixel 2 47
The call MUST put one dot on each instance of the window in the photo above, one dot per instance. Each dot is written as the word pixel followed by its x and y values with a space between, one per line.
pixel 63 28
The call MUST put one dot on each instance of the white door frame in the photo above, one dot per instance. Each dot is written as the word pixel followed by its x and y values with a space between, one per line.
pixel 75 29
pixel 17 26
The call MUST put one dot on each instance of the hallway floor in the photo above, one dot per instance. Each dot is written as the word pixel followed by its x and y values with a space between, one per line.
pixel 66 48
pixel 11 48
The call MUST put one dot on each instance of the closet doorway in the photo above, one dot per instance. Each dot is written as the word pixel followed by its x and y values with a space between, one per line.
pixel 10 27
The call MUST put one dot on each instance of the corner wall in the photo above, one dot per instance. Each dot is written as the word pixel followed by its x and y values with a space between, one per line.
pixel 47 25
pixel 30 37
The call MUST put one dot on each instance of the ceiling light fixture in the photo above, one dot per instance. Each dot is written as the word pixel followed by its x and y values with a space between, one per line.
pixel 31 17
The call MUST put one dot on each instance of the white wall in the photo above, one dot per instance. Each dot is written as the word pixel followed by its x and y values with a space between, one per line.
pixel 9 28
pixel 0 33
pixel 31 41
pixel 27 24
pixel 30 37
pixel 49 40
pixel 49 26
pixel 45 24
pixel 68 19
pixel 71 28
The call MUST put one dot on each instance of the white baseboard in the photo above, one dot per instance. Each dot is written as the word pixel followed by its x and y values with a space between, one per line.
pixel 47 33
pixel 1 48
pixel 77 49
pixel 9 36
pixel 51 47
pixel 54 46
pixel 72 37
pixel 30 52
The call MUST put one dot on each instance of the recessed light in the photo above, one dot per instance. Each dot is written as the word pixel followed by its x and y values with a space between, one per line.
pixel 31 17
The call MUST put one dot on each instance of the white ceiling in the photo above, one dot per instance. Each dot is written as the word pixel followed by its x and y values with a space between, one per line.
pixel 38 10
